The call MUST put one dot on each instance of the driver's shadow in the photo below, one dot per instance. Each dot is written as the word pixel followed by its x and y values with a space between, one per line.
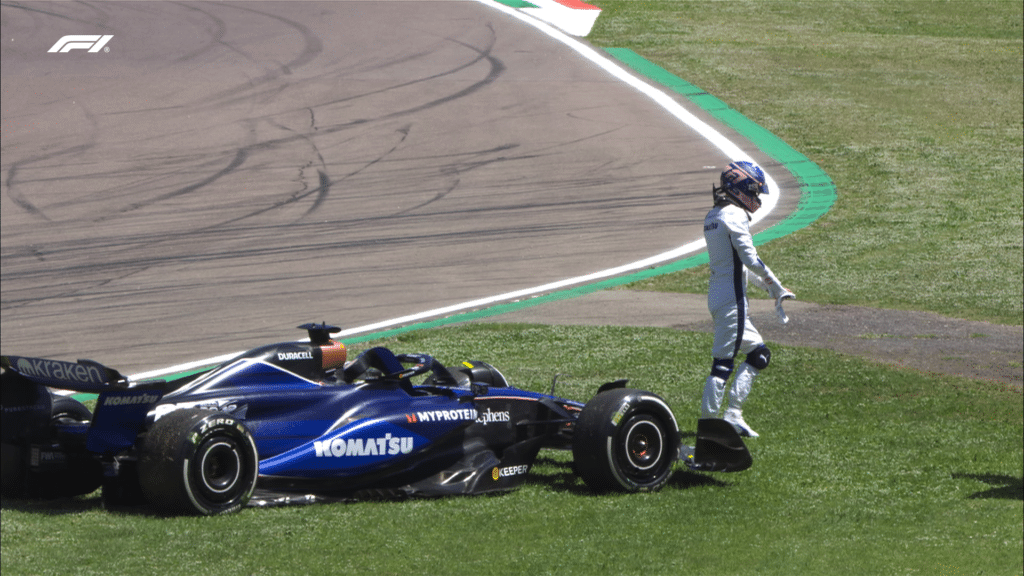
pixel 1003 487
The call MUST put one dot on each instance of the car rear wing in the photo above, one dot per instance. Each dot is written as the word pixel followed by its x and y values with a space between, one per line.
pixel 81 376
pixel 121 406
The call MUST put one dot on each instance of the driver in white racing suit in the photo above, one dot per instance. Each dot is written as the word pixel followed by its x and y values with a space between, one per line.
pixel 733 262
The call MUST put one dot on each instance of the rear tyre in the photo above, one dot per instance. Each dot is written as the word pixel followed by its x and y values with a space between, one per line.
pixel 61 469
pixel 123 490
pixel 82 473
pixel 68 410
pixel 198 462
pixel 12 470
pixel 625 440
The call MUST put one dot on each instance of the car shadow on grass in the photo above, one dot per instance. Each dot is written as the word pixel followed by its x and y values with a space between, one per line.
pixel 683 479
pixel 53 506
pixel 77 505
pixel 559 475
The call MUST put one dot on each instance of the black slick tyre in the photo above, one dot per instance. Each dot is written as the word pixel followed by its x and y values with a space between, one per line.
pixel 626 441
pixel 71 471
pixel 12 470
pixel 83 473
pixel 198 462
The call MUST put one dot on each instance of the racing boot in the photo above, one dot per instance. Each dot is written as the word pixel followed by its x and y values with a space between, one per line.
pixel 735 417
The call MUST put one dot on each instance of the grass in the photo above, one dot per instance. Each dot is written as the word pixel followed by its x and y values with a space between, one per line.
pixel 914 108
pixel 877 470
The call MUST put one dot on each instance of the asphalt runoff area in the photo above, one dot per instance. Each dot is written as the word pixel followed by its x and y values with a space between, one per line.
pixel 228 171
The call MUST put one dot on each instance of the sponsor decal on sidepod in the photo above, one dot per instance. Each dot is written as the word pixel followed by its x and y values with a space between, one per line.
pixel 387 446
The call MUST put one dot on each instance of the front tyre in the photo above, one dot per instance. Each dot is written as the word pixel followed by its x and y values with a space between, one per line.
pixel 198 462
pixel 626 441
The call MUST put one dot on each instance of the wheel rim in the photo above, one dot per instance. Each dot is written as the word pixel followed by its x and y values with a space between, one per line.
pixel 219 469
pixel 643 445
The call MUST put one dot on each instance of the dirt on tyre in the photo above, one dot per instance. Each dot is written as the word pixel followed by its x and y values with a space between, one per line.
pixel 198 462
pixel 625 441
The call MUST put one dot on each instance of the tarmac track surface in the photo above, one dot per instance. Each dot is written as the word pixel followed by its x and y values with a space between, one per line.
pixel 230 170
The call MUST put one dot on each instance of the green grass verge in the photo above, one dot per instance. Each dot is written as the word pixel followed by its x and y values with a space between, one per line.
pixel 860 466
pixel 914 108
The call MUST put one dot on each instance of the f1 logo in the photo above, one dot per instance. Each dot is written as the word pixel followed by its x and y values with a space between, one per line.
pixel 92 43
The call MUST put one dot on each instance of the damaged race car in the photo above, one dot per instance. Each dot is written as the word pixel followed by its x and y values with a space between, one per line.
pixel 296 422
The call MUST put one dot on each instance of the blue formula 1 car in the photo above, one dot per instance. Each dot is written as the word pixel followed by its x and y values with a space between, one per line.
pixel 294 422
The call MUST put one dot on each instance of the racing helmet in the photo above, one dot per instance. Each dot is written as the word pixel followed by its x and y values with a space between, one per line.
pixel 742 183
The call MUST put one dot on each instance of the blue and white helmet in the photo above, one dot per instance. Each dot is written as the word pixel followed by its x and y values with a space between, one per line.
pixel 742 184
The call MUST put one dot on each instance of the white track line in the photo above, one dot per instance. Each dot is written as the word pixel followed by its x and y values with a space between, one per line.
pixel 730 149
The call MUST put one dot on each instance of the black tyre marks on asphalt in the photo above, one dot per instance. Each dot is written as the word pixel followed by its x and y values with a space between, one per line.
pixel 421 157
pixel 123 260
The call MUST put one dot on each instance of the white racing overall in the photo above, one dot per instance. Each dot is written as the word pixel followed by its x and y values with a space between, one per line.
pixel 731 253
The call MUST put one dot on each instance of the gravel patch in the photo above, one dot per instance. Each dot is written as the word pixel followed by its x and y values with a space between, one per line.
pixel 921 341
